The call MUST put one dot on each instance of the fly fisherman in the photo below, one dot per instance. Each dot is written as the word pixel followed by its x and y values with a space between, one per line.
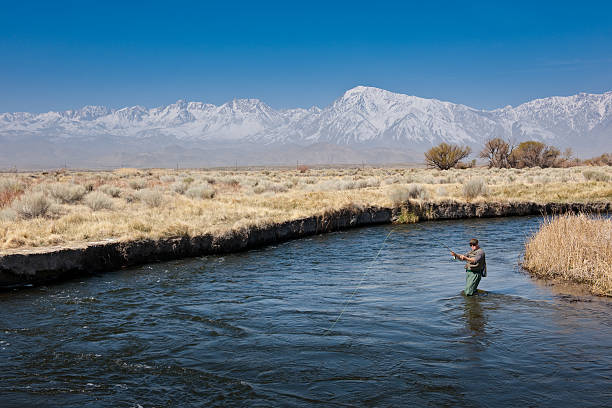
pixel 475 268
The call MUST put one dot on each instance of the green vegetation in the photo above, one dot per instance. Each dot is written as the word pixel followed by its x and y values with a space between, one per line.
pixel 407 217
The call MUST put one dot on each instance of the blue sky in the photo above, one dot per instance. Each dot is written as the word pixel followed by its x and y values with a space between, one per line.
pixel 60 55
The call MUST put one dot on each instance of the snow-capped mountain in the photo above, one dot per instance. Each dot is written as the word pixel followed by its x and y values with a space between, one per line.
pixel 361 119
pixel 366 115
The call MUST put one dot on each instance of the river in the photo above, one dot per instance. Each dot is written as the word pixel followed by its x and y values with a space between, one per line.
pixel 251 329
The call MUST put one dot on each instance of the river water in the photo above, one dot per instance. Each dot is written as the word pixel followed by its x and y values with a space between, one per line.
pixel 251 329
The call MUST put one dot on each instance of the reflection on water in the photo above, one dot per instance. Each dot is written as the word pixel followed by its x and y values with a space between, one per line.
pixel 250 329
pixel 474 316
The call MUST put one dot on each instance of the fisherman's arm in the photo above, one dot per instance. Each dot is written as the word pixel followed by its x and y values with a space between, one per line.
pixel 463 257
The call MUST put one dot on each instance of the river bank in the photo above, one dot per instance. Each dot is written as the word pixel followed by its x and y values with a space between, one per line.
pixel 42 265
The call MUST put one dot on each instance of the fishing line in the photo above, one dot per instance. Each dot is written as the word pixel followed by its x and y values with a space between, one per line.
pixel 446 246
pixel 363 275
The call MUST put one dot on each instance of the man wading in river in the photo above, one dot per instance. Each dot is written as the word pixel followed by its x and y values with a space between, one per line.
pixel 475 268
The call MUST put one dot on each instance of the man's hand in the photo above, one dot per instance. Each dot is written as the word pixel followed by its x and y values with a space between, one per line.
pixel 461 257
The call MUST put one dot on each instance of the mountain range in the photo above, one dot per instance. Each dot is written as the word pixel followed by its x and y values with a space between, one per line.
pixel 366 124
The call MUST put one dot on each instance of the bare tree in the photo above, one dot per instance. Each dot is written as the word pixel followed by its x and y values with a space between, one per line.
pixel 496 151
pixel 446 156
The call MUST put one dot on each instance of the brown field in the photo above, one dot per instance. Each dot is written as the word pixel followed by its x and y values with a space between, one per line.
pixel 575 248
pixel 64 207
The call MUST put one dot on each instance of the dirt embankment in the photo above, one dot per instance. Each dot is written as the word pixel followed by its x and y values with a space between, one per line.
pixel 43 265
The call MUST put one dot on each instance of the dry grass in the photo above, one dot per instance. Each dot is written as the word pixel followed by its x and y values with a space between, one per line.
pixel 129 204
pixel 575 248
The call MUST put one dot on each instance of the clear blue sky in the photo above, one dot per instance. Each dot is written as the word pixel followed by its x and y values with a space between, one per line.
pixel 57 55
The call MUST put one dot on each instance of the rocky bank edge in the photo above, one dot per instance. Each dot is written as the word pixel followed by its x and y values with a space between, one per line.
pixel 43 265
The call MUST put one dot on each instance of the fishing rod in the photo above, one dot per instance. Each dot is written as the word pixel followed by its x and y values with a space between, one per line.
pixel 446 246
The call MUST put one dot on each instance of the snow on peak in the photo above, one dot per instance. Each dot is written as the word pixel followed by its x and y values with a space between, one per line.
pixel 90 112
pixel 368 93
pixel 363 114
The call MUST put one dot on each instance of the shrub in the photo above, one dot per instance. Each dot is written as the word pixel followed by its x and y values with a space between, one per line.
pixel 407 217
pixel 31 205
pixel 10 189
pixel 361 184
pixel 8 214
pixel 66 193
pixel 152 198
pixel 441 192
pixel 110 190
pixel 265 185
pixel 126 172
pixel 138 184
pixel 428 180
pixel 98 201
pixel 399 195
pixel 475 187
pixel 417 191
pixel 227 183
pixel 595 175
pixel 445 156
pixel 389 181
pixel 10 184
pixel 373 182
pixel 230 181
pixel 200 192
pixel 603 160
pixel 179 187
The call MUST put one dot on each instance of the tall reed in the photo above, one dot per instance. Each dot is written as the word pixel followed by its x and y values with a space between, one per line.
pixel 575 248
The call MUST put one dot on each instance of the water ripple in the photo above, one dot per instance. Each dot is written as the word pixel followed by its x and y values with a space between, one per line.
pixel 251 329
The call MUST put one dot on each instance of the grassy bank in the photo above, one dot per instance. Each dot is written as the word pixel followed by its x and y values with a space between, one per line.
pixel 576 248
pixel 64 207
